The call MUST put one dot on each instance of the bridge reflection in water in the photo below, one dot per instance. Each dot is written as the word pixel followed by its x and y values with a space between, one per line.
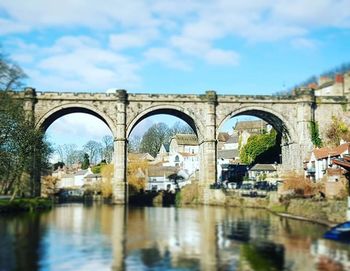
pixel 102 237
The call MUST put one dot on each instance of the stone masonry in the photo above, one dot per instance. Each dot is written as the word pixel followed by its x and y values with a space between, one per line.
pixel 206 113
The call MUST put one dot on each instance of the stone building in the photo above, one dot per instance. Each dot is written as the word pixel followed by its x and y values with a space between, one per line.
pixel 321 159
pixel 76 180
pixel 337 86
pixel 184 143
pixel 251 126
pixel 222 138
pixel 183 153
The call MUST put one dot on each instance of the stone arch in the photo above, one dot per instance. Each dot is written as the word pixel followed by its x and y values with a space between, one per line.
pixel 289 139
pixel 55 113
pixel 172 110
pixel 279 123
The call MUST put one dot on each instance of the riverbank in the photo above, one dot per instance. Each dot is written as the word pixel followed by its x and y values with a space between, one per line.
pixel 24 205
pixel 323 211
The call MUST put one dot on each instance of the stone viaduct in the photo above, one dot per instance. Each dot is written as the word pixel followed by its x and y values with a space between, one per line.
pixel 122 111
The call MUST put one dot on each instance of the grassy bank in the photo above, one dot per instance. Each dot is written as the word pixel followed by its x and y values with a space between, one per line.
pixel 24 205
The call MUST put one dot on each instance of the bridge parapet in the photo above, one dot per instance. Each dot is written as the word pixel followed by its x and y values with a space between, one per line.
pixel 75 96
pixel 132 97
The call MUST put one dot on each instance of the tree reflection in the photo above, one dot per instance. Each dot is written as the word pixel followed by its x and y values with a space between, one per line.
pixel 264 256
pixel 21 242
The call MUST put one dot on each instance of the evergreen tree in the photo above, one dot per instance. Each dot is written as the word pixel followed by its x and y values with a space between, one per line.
pixel 86 162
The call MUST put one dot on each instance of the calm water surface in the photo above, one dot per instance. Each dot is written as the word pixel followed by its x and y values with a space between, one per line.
pixel 102 237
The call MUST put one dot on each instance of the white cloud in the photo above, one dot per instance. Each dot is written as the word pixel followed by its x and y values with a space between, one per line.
pixel 168 57
pixel 172 33
pixel 203 49
pixel 208 18
pixel 8 27
pixel 124 41
pixel 23 58
pixel 80 63
pixel 77 128
pixel 303 43
pixel 221 57
pixel 132 39
pixel 313 13
pixel 37 14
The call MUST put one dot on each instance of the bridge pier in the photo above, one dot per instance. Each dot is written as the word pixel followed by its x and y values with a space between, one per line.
pixel 120 186
pixel 208 150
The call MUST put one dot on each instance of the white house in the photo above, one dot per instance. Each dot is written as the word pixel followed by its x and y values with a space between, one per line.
pixel 182 160
pixel 182 153
pixel 184 143
pixel 222 138
pixel 91 179
pixel 231 143
pixel 337 86
pixel 262 171
pixel 66 180
pixel 165 178
pixel 163 151
pixel 321 159
pixel 74 180
pixel 158 178
pixel 226 157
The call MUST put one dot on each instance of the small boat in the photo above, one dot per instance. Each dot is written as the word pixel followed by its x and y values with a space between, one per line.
pixel 340 232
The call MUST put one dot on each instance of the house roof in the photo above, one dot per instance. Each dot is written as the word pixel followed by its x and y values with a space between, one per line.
pixel 326 84
pixel 160 171
pixel 263 167
pixel 228 154
pixel 81 172
pixel 166 146
pixel 343 148
pixel 250 124
pixel 343 163
pixel 186 139
pixel 232 139
pixel 140 156
pixel 324 152
pixel 223 136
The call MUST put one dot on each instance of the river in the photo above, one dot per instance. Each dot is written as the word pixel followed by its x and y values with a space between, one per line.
pixel 103 237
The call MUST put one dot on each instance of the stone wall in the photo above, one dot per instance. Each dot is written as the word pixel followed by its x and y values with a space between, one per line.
pixel 322 211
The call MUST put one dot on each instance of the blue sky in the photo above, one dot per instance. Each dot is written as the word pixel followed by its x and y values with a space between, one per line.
pixel 234 47
pixel 163 46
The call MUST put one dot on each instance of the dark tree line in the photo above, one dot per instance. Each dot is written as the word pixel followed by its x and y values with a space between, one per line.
pixel 342 68
pixel 155 136
pixel 23 149
pixel 93 152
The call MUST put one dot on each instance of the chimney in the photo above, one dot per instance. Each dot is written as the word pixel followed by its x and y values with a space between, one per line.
pixel 312 85
pixel 347 82
pixel 338 87
pixel 339 79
